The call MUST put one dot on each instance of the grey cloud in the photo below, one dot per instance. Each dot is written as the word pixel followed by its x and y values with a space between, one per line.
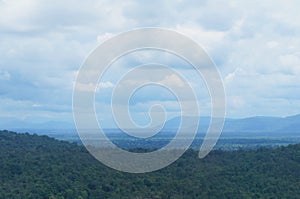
pixel 43 43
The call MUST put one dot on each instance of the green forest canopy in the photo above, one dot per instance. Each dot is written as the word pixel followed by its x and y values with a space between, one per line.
pixel 35 166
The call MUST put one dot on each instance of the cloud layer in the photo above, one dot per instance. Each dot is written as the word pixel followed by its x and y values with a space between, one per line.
pixel 255 45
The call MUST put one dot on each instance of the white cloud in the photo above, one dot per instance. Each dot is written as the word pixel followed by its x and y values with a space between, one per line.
pixel 231 76
pixel 90 87
pixel 208 39
pixel 272 44
pixel 255 45
pixel 13 14
pixel 291 63
pixel 103 37
pixel 86 87
pixel 106 85
pixel 172 80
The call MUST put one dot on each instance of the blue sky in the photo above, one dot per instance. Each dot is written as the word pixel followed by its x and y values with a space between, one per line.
pixel 255 45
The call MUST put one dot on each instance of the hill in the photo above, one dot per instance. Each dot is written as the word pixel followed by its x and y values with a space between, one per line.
pixel 258 125
pixel 35 166
pixel 241 127
pixel 18 124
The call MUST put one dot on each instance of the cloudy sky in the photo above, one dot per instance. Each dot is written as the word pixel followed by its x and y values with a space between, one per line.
pixel 255 45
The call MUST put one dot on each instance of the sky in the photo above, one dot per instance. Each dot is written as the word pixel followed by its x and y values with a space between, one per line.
pixel 255 46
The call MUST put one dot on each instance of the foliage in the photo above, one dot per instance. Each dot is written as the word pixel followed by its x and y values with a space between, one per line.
pixel 41 167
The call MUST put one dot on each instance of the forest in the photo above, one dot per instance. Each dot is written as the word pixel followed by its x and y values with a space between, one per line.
pixel 35 166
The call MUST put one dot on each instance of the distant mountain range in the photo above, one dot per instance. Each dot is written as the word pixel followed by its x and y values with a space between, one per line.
pixel 11 123
pixel 253 125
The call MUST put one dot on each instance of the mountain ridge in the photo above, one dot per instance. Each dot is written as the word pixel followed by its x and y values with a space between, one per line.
pixel 255 124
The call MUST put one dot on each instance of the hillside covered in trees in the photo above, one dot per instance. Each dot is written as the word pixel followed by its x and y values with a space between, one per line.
pixel 41 167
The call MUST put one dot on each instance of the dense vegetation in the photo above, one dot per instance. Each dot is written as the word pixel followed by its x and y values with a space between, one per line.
pixel 41 167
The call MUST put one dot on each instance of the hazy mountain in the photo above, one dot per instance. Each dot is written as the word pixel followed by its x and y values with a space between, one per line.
pixel 11 123
pixel 254 125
